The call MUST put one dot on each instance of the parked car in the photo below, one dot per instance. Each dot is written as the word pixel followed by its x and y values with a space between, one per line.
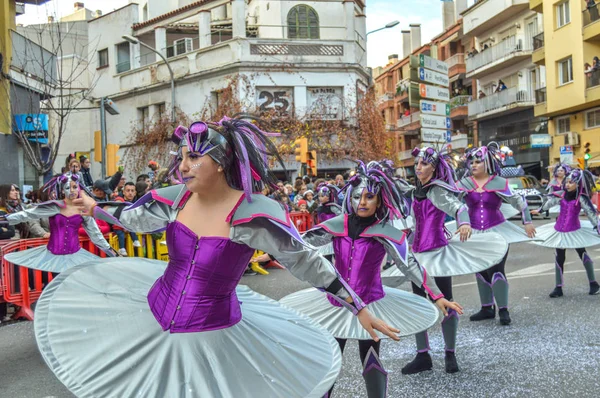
pixel 530 188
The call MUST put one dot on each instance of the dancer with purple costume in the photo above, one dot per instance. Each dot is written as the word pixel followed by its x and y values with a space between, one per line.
pixel 484 192
pixel 361 238
pixel 63 250
pixel 434 196
pixel 186 328
pixel 568 232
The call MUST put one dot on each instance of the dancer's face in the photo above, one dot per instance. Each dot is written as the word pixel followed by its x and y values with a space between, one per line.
pixel 478 168
pixel 365 203
pixel 199 172
pixel 424 171
pixel 571 186
pixel 560 173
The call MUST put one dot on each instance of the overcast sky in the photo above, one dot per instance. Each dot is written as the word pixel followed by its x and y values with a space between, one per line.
pixel 379 12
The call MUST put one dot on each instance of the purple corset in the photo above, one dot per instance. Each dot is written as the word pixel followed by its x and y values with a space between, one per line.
pixel 430 232
pixel 197 291
pixel 322 217
pixel 359 263
pixel 568 219
pixel 64 234
pixel 484 209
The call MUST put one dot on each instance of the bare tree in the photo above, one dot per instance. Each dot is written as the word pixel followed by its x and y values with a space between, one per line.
pixel 48 75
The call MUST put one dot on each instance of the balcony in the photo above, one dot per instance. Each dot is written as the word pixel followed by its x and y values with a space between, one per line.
pixel 402 89
pixel 592 85
pixel 504 102
pixel 540 107
pixel 591 29
pixel 539 53
pixel 500 56
pixel 459 106
pixel 536 5
pixel 406 121
pixel 456 65
pixel 405 155
pixel 487 14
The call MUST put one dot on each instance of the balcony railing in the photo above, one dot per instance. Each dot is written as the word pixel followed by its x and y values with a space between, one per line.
pixel 591 14
pixel 540 95
pixel 406 120
pixel 456 59
pixel 386 97
pixel 460 100
pixel 538 41
pixel 505 48
pixel 403 155
pixel 123 66
pixel 592 79
pixel 510 96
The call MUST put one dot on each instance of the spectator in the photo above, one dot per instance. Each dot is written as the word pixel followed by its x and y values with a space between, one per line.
pixel 120 185
pixel 101 191
pixel 407 112
pixel 10 203
pixel 7 232
pixel 85 163
pixel 481 94
pixel 308 182
pixel 311 204
pixel 300 193
pixel 339 181
pixel 298 185
pixel 290 191
pixel 501 86
pixel 302 207
pixel 129 194
pixel 284 200
pixel 141 187
pixel 593 10
pixel 144 177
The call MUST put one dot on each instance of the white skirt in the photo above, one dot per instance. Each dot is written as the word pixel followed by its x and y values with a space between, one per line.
pixel 95 331
pixel 509 231
pixel 583 237
pixel 42 259
pixel 403 310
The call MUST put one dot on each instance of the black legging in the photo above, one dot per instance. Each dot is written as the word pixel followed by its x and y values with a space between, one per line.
pixel 561 255
pixel 488 274
pixel 444 283
pixel 363 349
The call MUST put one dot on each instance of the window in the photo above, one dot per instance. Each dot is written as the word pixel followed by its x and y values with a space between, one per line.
pixel 103 58
pixel 303 23
pixel 563 125
pixel 592 119
pixel 161 110
pixel 563 14
pixel 143 117
pixel 565 71
pixel 123 59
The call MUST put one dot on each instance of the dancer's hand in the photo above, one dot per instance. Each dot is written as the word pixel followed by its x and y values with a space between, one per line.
pixel 534 212
pixel 370 324
pixel 445 305
pixel 464 231
pixel 530 230
pixel 85 204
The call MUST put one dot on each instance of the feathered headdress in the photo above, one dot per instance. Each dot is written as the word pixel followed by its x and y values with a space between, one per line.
pixel 57 184
pixel 440 162
pixel 565 167
pixel 329 190
pixel 489 155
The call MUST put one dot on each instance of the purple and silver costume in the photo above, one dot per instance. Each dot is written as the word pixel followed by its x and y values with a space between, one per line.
pixel 135 327
pixel 568 232
pixel 63 250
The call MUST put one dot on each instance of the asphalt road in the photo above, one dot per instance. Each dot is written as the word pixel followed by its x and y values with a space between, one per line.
pixel 552 349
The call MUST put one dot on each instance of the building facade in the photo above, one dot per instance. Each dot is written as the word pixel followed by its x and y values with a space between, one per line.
pixel 571 98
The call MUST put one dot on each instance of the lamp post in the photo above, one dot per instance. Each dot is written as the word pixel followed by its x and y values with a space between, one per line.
pixel 133 40
pixel 387 26
pixel 106 105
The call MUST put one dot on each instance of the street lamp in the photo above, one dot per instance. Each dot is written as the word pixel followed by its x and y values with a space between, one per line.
pixel 133 40
pixel 106 105
pixel 387 26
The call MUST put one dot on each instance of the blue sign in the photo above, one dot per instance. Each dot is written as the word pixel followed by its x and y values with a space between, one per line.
pixel 565 150
pixel 32 125
pixel 448 136
pixel 421 73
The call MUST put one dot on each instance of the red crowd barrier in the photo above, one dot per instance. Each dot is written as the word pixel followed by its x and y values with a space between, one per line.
pixel 15 286
pixel 302 221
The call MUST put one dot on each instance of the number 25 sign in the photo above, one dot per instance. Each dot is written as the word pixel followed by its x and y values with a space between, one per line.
pixel 280 99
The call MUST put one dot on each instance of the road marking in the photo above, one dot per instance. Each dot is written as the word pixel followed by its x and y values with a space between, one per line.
pixel 526 276
pixel 534 269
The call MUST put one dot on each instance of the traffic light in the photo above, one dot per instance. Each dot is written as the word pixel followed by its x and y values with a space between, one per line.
pixel 586 151
pixel 98 146
pixel 311 163
pixel 301 149
pixel 581 162
pixel 111 159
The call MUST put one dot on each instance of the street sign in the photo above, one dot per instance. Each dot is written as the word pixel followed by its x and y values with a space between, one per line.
pixel 566 154
pixel 433 64
pixel 430 76
pixel 433 92
pixel 435 122
pixel 435 108
pixel 540 140
pixel 434 135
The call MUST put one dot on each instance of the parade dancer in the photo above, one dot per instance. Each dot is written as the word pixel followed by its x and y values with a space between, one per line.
pixel 361 238
pixel 484 192
pixel 185 329
pixel 434 196
pixel 63 250
pixel 556 184
pixel 568 232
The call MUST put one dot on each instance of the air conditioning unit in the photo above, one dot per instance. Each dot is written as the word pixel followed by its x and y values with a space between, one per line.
pixel 183 46
pixel 572 138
